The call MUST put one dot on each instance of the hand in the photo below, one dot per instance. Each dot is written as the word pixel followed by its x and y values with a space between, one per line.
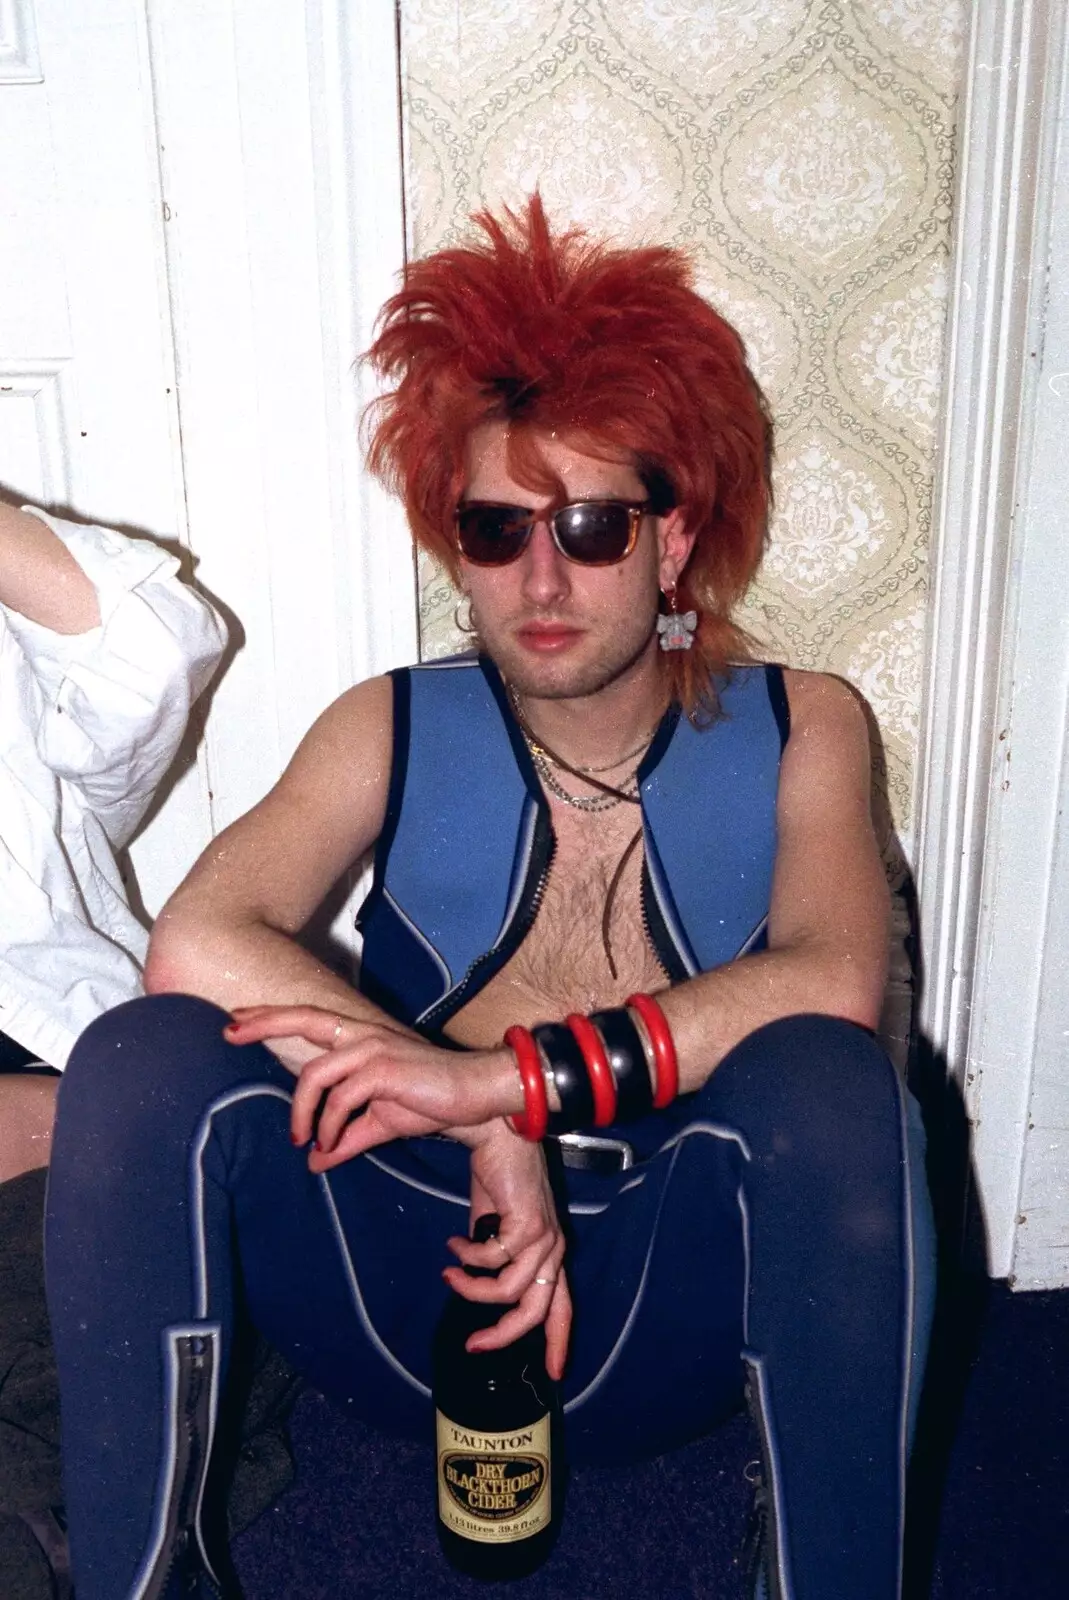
pixel 378 1081
pixel 508 1175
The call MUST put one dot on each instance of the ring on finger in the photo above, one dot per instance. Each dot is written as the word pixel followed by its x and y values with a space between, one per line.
pixel 544 1281
pixel 338 1026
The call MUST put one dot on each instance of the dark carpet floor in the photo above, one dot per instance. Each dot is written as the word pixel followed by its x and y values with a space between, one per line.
pixel 989 1501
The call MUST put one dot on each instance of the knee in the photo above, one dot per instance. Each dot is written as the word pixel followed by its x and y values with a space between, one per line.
pixel 813 1063
pixel 139 1053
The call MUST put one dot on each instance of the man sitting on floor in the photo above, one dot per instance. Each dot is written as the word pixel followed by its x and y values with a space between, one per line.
pixel 611 825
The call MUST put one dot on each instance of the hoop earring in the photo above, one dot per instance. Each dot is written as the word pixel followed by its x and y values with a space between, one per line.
pixel 676 629
pixel 462 625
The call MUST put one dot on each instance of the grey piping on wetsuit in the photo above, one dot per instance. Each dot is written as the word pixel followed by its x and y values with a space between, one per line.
pixel 358 1300
pixel 526 841
pixel 421 939
pixel 200 1269
pixel 670 922
pixel 762 1401
pixel 911 1296
pixel 414 1183
pixel 715 1131
pixel 751 939
pixel 198 1244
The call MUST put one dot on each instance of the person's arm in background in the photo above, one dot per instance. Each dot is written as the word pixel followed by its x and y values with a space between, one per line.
pixel 116 646
pixel 101 650
pixel 40 579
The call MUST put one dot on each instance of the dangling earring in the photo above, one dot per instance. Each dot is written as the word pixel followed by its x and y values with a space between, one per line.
pixel 465 625
pixel 676 630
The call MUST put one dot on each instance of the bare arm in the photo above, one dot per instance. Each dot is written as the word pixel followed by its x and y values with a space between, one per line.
pixel 40 579
pixel 227 934
pixel 828 923
pixel 228 931
pixel 827 954
pixel 827 942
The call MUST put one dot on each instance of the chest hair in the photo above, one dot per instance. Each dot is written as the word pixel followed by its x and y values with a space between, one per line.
pixel 563 960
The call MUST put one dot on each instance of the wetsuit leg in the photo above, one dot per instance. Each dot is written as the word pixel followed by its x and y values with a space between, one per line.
pixel 173 1180
pixel 798 1147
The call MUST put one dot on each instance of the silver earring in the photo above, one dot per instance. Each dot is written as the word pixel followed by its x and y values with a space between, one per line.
pixel 675 628
pixel 464 625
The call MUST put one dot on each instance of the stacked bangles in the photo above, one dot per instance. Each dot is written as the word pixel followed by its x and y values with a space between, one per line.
pixel 612 1066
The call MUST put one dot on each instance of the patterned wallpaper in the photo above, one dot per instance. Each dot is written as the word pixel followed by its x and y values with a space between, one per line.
pixel 803 151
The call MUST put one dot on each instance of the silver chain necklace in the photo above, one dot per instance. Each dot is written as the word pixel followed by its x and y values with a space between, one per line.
pixel 545 760
pixel 581 802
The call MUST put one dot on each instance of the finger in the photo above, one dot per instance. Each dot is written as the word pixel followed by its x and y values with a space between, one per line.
pixel 534 1231
pixel 558 1328
pixel 539 1264
pixel 494 1253
pixel 517 1321
pixel 250 1025
pixel 518 1259
pixel 363 1134
pixel 346 1100
pixel 317 1078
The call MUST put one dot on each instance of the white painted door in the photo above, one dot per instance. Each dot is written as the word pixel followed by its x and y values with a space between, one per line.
pixel 87 390
pixel 200 212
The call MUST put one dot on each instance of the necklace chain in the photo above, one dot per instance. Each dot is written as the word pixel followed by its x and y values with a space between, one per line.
pixel 639 750
pixel 545 760
pixel 581 802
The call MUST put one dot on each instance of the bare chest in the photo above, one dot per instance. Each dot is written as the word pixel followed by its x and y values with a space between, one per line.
pixel 580 935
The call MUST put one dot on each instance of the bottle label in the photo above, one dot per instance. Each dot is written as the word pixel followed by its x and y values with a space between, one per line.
pixel 493 1487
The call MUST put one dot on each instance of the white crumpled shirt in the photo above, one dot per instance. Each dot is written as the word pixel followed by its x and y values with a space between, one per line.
pixel 88 725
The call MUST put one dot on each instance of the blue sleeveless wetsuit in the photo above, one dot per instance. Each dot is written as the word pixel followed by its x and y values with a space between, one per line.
pixel 467 843
pixel 771 1226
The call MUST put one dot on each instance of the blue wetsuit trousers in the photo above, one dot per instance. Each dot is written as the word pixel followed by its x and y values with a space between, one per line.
pixel 775 1227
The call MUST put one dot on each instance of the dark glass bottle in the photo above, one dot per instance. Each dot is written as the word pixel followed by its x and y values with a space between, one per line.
pixel 497 1425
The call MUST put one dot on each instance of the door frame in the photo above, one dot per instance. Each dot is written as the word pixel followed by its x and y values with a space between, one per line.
pixel 990 783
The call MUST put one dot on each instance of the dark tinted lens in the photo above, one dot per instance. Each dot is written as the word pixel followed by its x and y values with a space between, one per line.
pixel 492 535
pixel 597 532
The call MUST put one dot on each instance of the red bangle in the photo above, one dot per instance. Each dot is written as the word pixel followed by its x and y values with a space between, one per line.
pixel 598 1069
pixel 665 1062
pixel 531 1122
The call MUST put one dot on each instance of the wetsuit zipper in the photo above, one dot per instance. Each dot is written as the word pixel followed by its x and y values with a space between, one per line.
pixel 659 939
pixel 545 843
pixel 767 1564
pixel 195 1372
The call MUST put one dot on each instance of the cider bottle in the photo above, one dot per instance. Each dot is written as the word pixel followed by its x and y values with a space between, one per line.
pixel 497 1420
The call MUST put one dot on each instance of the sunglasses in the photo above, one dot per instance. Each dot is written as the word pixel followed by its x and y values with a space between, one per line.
pixel 595 533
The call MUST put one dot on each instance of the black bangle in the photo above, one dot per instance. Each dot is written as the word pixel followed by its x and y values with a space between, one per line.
pixel 627 1058
pixel 570 1079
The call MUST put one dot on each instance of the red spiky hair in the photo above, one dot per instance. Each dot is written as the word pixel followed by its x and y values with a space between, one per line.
pixel 614 350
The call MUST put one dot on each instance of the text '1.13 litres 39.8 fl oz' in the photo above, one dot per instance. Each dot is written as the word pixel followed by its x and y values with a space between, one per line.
pixel 497 1425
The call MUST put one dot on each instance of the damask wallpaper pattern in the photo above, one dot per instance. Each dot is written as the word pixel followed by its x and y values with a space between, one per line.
pixel 802 150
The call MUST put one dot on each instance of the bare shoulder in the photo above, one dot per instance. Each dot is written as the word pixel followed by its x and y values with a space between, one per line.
pixel 829 884
pixel 360 721
pixel 823 704
pixel 325 812
pixel 345 757
pixel 829 734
